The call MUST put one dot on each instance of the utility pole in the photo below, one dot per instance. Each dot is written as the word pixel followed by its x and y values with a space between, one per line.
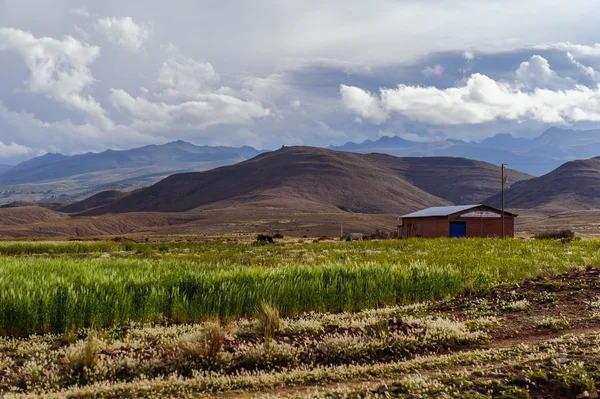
pixel 503 180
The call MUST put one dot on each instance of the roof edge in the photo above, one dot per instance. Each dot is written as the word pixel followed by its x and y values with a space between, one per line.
pixel 463 208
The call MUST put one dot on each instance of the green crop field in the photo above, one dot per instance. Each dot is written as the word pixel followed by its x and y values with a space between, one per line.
pixel 57 287
pixel 401 318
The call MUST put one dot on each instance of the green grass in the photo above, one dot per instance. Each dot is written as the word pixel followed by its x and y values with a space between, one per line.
pixel 189 282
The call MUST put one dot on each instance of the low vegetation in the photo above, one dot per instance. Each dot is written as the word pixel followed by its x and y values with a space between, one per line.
pixel 57 287
pixel 564 235
pixel 475 346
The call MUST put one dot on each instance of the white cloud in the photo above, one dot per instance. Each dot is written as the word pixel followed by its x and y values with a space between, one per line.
pixel 60 69
pixel 81 11
pixel 480 100
pixel 66 136
pixel 590 72
pixel 187 98
pixel 468 55
pixel 12 149
pixel 363 103
pixel 185 78
pixel 536 73
pixel 270 88
pixel 124 31
pixel 209 109
pixel 576 49
pixel 436 70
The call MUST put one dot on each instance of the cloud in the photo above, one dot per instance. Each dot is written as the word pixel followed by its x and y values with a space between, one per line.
pixel 536 73
pixel 468 55
pixel 480 100
pixel 60 69
pixel 590 72
pixel 436 70
pixel 363 103
pixel 206 110
pixel 66 136
pixel 183 77
pixel 124 31
pixel 187 98
pixel 576 49
pixel 12 149
pixel 81 12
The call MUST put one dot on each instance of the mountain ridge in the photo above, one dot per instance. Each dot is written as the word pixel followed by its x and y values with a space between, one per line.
pixel 536 156
pixel 311 178
pixel 53 166
pixel 573 186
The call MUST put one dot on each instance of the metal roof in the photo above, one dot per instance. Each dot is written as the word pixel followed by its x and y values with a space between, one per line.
pixel 440 211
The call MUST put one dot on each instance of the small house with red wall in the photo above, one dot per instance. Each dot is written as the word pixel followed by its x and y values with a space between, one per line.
pixel 457 221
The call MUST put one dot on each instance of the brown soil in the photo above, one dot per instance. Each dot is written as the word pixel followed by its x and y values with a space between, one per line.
pixel 29 215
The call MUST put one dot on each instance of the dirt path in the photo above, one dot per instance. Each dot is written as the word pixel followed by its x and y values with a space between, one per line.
pixel 565 297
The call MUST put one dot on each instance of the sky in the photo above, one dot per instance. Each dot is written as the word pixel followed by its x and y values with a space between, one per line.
pixel 79 76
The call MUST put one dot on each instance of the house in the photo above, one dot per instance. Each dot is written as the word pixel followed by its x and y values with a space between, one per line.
pixel 457 221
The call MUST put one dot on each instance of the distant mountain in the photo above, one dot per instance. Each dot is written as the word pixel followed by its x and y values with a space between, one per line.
pixel 56 177
pixel 55 166
pixel 506 142
pixel 573 186
pixel 536 156
pixel 396 146
pixel 296 178
pixel 5 168
pixel 314 179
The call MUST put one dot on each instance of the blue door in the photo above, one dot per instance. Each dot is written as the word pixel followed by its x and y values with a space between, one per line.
pixel 458 229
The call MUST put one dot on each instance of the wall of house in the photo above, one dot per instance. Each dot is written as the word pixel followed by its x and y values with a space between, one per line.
pixel 425 227
pixel 488 227
pixel 440 227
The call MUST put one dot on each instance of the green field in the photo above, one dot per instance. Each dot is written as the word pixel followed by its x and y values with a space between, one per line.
pixel 62 286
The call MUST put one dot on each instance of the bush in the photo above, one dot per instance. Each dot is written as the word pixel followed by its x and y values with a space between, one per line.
pixel 565 235
pixel 206 344
pixel 269 322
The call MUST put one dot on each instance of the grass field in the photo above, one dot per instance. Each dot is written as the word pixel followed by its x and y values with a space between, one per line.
pixel 62 286
pixel 404 318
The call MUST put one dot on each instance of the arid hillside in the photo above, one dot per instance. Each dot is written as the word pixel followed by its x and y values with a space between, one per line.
pixel 458 180
pixel 315 179
pixel 574 186
pixel 297 178
pixel 24 215
pixel 101 199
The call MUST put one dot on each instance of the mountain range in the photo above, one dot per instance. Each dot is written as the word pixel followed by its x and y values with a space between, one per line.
pixel 57 178
pixel 536 156
pixel 4 168
pixel 308 190
pixel 61 178
pixel 309 179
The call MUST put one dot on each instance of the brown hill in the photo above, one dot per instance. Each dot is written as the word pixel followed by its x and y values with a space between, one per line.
pixel 573 186
pixel 319 180
pixel 12 216
pixel 458 180
pixel 101 199
pixel 296 178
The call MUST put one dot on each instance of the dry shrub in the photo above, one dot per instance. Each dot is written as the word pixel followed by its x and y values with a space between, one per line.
pixel 84 357
pixel 269 322
pixel 206 344
pixel 564 235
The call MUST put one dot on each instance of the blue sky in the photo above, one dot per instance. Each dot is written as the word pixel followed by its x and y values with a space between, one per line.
pixel 81 76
